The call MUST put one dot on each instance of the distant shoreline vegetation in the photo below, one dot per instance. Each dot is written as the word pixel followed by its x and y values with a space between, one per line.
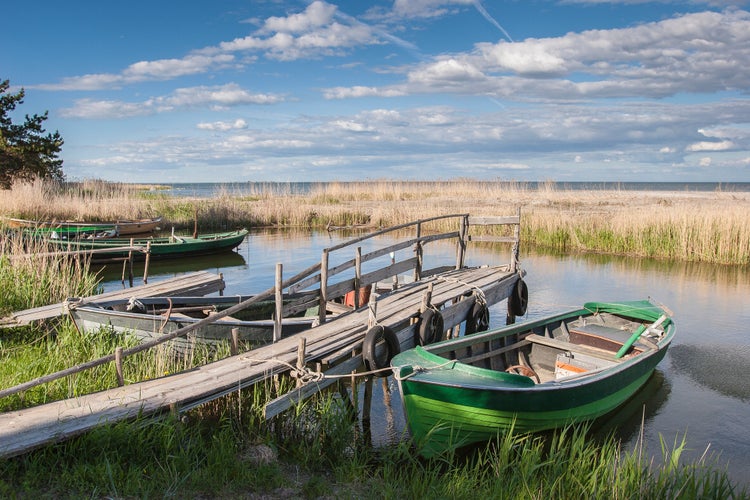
pixel 208 189
pixel 695 222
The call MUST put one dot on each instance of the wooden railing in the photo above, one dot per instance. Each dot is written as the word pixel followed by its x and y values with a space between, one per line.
pixel 317 278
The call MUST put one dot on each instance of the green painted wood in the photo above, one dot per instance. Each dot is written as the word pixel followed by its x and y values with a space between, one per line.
pixel 449 403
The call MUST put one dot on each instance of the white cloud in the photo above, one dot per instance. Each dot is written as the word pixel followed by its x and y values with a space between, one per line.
pixel 213 97
pixel 162 69
pixel 711 146
pixel 694 53
pixel 309 34
pixel 316 14
pixel 223 126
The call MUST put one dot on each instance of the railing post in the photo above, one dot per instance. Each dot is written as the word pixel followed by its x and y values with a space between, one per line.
pixel 357 276
pixel 461 244
pixel 419 254
pixel 118 366
pixel 372 317
pixel 515 252
pixel 323 302
pixel 130 263
pixel 234 347
pixel 279 303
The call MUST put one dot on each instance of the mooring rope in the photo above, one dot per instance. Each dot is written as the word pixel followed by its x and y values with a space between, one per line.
pixel 307 375
pixel 421 369
pixel 478 292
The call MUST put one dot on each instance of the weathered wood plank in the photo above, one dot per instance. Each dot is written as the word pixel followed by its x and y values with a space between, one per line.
pixel 198 283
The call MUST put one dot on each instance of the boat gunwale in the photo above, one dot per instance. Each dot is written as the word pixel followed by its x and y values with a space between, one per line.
pixel 429 353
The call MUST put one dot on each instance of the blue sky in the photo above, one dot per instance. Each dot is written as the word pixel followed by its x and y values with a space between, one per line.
pixel 570 90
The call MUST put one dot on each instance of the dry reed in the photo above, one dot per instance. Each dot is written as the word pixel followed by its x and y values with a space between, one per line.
pixel 684 225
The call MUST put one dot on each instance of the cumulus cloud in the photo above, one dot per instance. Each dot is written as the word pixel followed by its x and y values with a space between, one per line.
pixel 162 69
pixel 223 126
pixel 216 97
pixel 711 146
pixel 311 33
pixel 693 53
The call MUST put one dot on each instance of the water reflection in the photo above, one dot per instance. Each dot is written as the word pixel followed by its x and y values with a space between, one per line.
pixel 718 368
pixel 626 421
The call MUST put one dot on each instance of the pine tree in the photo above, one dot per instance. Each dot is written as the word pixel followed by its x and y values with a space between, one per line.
pixel 27 152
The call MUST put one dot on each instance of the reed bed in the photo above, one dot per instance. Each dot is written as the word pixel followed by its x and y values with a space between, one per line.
pixel 29 278
pixel 708 227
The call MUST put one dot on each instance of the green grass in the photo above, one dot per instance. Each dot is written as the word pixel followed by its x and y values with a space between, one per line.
pixel 229 456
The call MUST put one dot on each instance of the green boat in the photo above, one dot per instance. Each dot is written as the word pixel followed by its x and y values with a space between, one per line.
pixel 70 232
pixel 158 248
pixel 539 375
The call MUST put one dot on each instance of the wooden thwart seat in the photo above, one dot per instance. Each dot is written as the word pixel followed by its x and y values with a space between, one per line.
pixel 567 346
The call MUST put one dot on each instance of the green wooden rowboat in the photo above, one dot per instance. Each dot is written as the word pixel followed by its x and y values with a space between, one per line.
pixel 159 248
pixel 543 374
pixel 70 232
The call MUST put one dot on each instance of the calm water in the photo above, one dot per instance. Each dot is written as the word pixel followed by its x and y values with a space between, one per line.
pixel 700 390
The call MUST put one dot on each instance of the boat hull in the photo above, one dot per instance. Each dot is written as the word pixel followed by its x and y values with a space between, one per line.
pixel 158 248
pixel 123 227
pixel 148 327
pixel 449 404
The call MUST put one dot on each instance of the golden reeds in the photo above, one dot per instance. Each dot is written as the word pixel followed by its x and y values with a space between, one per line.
pixel 684 225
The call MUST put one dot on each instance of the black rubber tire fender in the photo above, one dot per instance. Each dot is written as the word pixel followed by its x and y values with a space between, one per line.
pixel 373 337
pixel 519 299
pixel 430 328
pixel 479 319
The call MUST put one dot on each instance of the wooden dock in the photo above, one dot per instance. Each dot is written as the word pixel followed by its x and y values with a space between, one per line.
pixel 198 283
pixel 334 348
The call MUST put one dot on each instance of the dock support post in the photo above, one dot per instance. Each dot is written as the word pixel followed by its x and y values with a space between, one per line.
pixel 279 304
pixel 366 411
pixel 373 311
pixel 235 345
pixel 145 266
pixel 301 346
pixel 323 287
pixel 427 298
pixel 118 366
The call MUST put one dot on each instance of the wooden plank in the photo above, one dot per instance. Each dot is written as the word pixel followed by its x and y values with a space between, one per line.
pixel 286 401
pixel 198 283
pixel 496 221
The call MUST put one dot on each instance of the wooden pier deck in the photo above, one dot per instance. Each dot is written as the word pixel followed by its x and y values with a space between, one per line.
pixel 334 347
pixel 198 283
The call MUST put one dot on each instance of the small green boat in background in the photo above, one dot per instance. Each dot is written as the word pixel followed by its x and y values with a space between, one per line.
pixel 70 232
pixel 158 248
pixel 539 375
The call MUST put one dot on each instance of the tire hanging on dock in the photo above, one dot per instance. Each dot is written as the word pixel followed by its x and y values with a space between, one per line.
pixel 430 328
pixel 479 319
pixel 369 349
pixel 519 299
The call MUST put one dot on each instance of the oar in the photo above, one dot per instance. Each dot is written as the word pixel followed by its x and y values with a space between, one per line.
pixel 636 335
